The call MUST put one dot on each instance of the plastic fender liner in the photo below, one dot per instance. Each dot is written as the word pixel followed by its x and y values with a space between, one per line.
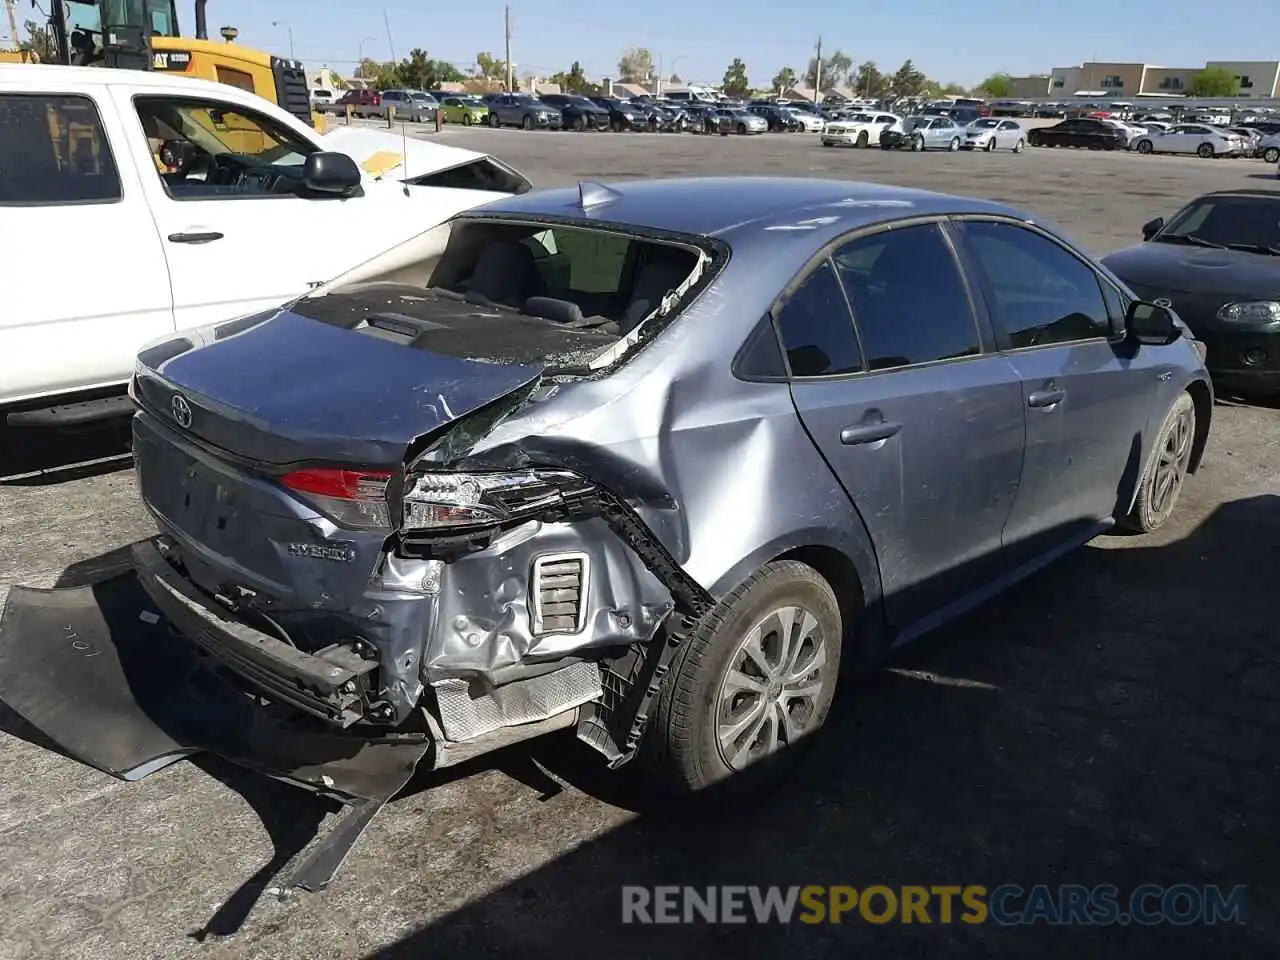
pixel 102 677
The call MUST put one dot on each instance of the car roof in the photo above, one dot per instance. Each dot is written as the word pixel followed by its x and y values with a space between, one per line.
pixel 53 75
pixel 734 208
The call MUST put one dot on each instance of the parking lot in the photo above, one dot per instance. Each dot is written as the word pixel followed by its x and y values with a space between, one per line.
pixel 1117 721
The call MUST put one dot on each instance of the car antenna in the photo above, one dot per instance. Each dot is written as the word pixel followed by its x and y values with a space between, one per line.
pixel 592 194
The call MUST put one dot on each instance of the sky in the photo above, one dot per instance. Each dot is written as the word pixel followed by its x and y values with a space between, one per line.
pixel 698 41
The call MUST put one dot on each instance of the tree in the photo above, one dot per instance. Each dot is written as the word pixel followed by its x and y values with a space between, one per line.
pixel 835 71
pixel 868 81
pixel 635 66
pixel 908 81
pixel 574 81
pixel 997 85
pixel 735 82
pixel 420 72
pixel 336 81
pixel 39 42
pixel 1214 82
pixel 783 80
pixel 490 69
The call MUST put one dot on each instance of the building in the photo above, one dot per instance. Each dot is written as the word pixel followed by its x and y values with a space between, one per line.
pixel 1064 81
pixel 1258 79
pixel 1168 81
pixel 1036 85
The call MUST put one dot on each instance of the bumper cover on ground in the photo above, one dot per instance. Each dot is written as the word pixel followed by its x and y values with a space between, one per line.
pixel 97 672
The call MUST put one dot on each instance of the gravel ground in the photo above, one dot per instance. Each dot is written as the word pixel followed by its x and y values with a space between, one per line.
pixel 1122 728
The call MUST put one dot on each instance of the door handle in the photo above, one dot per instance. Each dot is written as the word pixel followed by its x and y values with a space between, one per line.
pixel 871 433
pixel 207 236
pixel 1046 398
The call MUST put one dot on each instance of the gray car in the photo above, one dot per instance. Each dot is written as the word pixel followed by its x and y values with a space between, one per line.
pixel 924 133
pixel 994 133
pixel 649 461
pixel 414 106
pixel 518 110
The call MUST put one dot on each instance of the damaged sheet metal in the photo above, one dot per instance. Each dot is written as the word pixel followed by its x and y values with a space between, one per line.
pixel 95 671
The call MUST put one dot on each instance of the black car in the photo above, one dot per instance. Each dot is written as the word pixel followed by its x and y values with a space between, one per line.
pixel 1079 132
pixel 779 120
pixel 577 112
pixel 1217 262
pixel 623 115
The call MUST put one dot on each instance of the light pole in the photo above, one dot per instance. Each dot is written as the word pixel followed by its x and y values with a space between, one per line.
pixel 281 23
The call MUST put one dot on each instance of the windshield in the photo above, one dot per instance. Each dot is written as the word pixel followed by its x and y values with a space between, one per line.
pixel 985 124
pixel 422 97
pixel 1244 222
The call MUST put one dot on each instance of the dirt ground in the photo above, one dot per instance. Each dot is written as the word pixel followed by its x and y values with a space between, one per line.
pixel 1118 723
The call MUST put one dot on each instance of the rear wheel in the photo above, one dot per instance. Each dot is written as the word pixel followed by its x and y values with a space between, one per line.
pixel 1271 155
pixel 1167 472
pixel 753 681
pixel 1205 151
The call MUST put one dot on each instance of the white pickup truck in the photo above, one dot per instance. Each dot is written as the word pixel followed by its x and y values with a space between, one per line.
pixel 134 204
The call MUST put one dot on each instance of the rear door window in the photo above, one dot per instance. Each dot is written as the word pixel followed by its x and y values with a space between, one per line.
pixel 53 150
pixel 816 328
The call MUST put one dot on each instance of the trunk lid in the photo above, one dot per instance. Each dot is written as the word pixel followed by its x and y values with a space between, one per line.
pixel 352 377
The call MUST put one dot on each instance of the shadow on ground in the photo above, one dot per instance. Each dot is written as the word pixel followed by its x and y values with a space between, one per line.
pixel 31 456
pixel 1127 737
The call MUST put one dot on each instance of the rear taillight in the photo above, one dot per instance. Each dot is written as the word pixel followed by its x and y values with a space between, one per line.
pixel 439 502
pixel 355 499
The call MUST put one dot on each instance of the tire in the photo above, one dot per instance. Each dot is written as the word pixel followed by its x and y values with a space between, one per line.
pixel 527 123
pixel 917 144
pixel 954 145
pixel 1205 151
pixel 685 748
pixel 1271 155
pixel 579 123
pixel 1145 147
pixel 1017 147
pixel 991 146
pixel 1166 474
pixel 863 138
pixel 467 120
pixel 494 121
pixel 742 129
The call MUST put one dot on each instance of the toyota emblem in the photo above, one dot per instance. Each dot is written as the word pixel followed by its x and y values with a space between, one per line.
pixel 181 410
pixel 1164 302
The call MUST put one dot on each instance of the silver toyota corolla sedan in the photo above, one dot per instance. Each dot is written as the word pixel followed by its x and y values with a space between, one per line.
pixel 650 460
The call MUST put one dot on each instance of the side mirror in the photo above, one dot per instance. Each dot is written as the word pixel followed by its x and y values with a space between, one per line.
pixel 1151 324
pixel 331 173
pixel 1152 227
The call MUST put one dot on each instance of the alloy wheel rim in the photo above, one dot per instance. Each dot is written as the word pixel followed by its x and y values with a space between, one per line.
pixel 773 682
pixel 1171 468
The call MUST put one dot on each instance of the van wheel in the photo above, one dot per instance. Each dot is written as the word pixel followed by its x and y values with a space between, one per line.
pixel 1166 474
pixel 753 681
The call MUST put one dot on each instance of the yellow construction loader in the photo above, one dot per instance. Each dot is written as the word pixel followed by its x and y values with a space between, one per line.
pixel 145 35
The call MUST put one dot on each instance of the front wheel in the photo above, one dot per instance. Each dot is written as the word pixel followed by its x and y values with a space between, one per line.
pixel 753 681
pixel 1146 147
pixel 494 121
pixel 579 123
pixel 527 123
pixel 1166 474
pixel 954 145
pixel 917 143
pixel 1271 155
pixel 742 129
pixel 467 120
pixel 863 138
pixel 991 146
pixel 1017 147
pixel 1205 151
